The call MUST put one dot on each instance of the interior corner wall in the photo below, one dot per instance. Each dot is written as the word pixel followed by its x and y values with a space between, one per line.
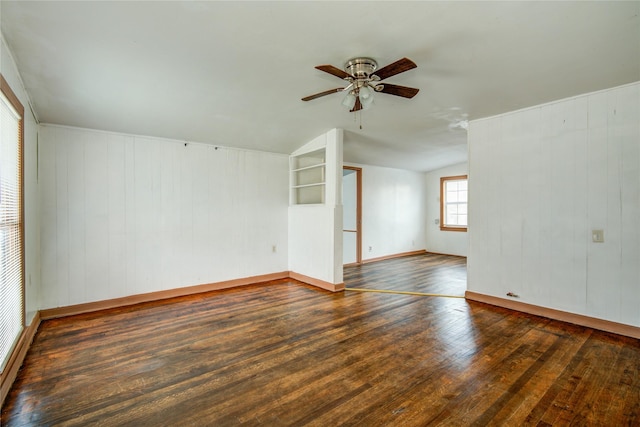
pixel 10 72
pixel 315 230
pixel 393 211
pixel 541 180
pixel 438 241
pixel 123 215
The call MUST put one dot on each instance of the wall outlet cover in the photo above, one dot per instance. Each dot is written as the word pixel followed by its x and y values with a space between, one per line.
pixel 597 236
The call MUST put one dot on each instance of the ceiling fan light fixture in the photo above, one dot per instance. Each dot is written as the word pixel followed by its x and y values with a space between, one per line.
pixel 349 100
pixel 366 96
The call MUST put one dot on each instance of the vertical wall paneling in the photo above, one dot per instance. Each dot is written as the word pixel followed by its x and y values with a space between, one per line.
pixel 510 207
pixel 562 170
pixel 598 268
pixel 629 107
pixel 125 215
pixel 200 202
pixel 532 188
pixel 146 215
pixel 130 207
pixel 76 216
pixel 333 193
pixel 477 208
pixel 182 238
pixel 223 201
pixel 393 211
pixel 116 213
pixel 96 210
pixel 50 253
pixel 315 230
pixel 438 241
pixel 61 228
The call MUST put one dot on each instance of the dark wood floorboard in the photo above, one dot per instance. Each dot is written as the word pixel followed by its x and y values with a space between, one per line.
pixel 428 273
pixel 284 353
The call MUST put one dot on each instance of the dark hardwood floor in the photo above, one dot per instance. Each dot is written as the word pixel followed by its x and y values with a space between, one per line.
pixel 284 353
pixel 428 273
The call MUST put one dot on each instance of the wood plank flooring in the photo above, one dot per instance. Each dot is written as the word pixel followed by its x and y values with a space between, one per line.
pixel 284 353
pixel 427 273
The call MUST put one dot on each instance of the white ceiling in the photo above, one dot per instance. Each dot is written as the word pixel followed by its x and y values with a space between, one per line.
pixel 233 73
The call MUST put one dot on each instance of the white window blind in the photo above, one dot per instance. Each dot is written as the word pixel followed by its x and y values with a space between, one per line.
pixel 11 245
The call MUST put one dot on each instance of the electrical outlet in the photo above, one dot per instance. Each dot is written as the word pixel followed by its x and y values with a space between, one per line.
pixel 370 248
pixel 274 249
pixel 597 236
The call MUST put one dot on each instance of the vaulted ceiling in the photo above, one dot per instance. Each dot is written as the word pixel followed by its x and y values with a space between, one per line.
pixel 234 73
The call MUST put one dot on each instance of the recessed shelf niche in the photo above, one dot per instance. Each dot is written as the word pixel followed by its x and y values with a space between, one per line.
pixel 307 177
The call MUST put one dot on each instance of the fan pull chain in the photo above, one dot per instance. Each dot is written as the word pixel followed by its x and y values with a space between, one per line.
pixel 357 118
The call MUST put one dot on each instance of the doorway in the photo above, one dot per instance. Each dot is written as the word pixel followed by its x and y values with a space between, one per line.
pixel 352 215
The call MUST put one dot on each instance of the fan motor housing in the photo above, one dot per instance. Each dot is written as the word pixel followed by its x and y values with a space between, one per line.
pixel 361 67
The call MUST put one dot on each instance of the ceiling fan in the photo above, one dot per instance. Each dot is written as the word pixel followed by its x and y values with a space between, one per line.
pixel 364 80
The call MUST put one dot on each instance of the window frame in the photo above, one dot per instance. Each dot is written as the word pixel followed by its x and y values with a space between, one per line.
pixel 443 225
pixel 10 96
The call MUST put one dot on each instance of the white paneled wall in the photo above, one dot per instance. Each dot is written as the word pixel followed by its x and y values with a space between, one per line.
pixel 315 230
pixel 541 180
pixel 438 241
pixel 393 211
pixel 124 215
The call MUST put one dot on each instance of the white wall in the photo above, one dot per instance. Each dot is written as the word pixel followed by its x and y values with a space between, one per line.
pixel 393 211
pixel 541 180
pixel 125 215
pixel 438 241
pixel 31 216
pixel 315 231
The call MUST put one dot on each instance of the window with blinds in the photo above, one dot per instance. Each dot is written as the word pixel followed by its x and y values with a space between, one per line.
pixel 11 223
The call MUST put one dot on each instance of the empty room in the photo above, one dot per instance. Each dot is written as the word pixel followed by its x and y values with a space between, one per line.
pixel 321 213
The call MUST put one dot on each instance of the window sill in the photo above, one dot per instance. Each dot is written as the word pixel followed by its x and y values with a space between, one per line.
pixel 443 228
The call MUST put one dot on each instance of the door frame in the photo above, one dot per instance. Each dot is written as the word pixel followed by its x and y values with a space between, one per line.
pixel 358 213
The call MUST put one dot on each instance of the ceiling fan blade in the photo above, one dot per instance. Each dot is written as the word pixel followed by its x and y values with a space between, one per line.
pixel 326 92
pixel 404 91
pixel 333 70
pixel 358 105
pixel 400 66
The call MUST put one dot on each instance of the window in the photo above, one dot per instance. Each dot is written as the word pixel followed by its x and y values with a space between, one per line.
pixel 453 203
pixel 11 223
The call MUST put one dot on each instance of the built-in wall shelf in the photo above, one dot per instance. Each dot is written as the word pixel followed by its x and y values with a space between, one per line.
pixel 308 185
pixel 320 165
pixel 307 178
